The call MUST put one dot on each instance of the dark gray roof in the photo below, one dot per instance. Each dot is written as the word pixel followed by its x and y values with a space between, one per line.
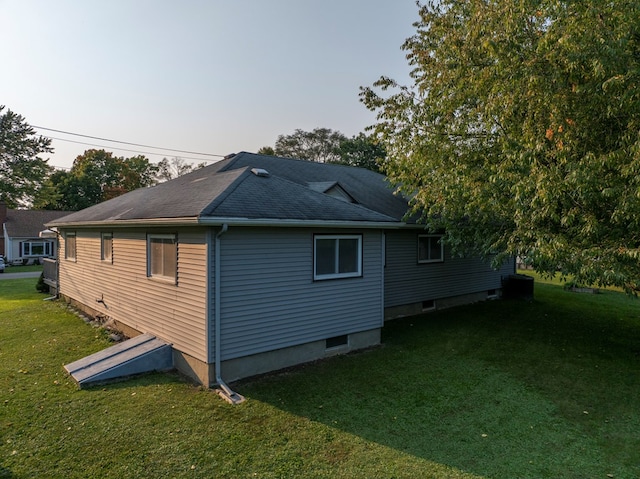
pixel 29 223
pixel 228 189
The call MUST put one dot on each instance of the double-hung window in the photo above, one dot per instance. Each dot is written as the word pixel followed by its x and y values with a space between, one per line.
pixel 337 256
pixel 430 249
pixel 70 246
pixel 106 247
pixel 162 257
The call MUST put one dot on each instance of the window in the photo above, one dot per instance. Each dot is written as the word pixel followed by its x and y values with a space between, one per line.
pixel 70 246
pixel 337 256
pixel 430 249
pixel 428 305
pixel 106 247
pixel 162 257
pixel 37 248
pixel 337 341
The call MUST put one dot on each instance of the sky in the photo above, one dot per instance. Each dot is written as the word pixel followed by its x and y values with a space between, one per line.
pixel 208 76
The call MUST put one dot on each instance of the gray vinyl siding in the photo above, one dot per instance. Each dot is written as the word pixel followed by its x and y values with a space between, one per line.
pixel 407 281
pixel 269 299
pixel 174 312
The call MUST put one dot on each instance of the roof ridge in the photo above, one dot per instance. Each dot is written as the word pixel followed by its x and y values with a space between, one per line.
pixel 242 174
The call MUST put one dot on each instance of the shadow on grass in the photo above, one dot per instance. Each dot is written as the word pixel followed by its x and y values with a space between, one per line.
pixel 5 473
pixel 547 388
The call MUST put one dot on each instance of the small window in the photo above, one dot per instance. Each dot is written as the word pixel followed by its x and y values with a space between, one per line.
pixel 106 247
pixel 428 305
pixel 430 249
pixel 337 341
pixel 70 246
pixel 337 256
pixel 162 257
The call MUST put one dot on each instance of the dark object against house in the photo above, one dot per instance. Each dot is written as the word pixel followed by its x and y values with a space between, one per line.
pixel 518 286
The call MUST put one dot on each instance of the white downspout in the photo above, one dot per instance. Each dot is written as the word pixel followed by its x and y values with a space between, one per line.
pixel 225 391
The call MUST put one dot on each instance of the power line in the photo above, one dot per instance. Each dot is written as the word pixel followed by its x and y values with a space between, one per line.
pixel 125 149
pixel 126 142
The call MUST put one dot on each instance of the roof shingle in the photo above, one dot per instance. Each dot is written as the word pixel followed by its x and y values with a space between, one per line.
pixel 228 189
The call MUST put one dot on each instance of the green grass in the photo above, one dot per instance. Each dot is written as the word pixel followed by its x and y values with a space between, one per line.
pixel 23 269
pixel 503 389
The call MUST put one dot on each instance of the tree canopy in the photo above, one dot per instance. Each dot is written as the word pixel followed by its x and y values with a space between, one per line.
pixel 361 151
pixel 22 171
pixel 324 145
pixel 319 145
pixel 520 132
pixel 95 176
pixel 169 169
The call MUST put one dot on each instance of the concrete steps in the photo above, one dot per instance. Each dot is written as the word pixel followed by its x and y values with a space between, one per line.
pixel 141 354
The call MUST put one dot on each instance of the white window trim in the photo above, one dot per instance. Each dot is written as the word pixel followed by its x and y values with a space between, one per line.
pixel 353 274
pixel 104 259
pixel 66 249
pixel 438 260
pixel 157 277
pixel 47 248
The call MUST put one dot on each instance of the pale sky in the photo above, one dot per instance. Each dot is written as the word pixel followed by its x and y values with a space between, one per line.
pixel 207 76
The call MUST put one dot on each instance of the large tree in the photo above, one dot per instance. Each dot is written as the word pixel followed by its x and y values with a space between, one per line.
pixel 169 169
pixel 320 145
pixel 362 151
pixel 95 176
pixel 22 171
pixel 324 145
pixel 520 132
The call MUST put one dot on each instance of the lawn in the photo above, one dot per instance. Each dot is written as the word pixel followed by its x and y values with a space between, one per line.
pixel 502 389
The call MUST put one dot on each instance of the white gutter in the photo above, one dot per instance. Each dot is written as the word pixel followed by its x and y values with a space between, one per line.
pixel 225 391
pixel 131 223
pixel 238 221
pixel 213 221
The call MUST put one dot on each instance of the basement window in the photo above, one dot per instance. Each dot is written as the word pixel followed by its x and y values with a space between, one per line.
pixel 428 305
pixel 162 257
pixel 337 341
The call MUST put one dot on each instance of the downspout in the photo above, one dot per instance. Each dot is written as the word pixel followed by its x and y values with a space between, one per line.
pixel 225 391
pixel 383 257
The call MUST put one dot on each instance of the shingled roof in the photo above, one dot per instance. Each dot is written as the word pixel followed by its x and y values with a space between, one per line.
pixel 29 223
pixel 236 189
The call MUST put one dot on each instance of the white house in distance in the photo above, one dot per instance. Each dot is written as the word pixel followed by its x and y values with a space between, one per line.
pixel 20 240
pixel 257 263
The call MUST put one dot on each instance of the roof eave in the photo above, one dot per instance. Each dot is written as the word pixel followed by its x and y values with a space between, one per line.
pixel 293 223
pixel 130 223
pixel 235 221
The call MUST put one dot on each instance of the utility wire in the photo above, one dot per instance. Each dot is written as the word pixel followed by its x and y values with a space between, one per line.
pixel 126 142
pixel 125 149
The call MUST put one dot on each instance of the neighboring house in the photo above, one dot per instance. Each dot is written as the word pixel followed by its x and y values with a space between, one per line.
pixel 256 263
pixel 21 239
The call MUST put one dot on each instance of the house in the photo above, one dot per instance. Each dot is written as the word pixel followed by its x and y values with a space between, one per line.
pixel 257 263
pixel 21 240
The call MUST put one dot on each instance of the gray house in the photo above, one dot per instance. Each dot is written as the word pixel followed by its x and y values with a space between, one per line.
pixel 256 263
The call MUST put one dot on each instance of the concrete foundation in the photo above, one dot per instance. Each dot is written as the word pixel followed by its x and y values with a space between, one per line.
pixel 247 366
pixel 244 367
pixel 414 309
